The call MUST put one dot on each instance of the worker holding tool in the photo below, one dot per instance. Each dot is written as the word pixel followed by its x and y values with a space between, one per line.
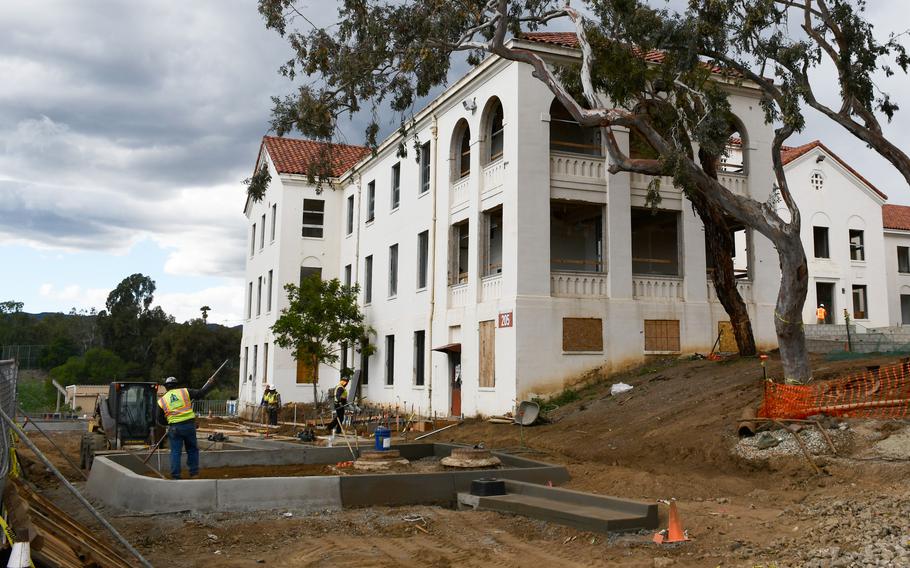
pixel 177 406
pixel 272 401
pixel 340 399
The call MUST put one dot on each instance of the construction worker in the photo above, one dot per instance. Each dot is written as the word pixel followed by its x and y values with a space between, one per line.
pixel 272 401
pixel 177 407
pixel 340 399
pixel 821 313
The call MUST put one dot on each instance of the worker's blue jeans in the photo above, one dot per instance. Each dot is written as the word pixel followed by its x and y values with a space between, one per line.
pixel 178 435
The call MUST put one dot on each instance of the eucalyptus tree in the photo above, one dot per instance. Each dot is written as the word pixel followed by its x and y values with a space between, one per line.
pixel 382 54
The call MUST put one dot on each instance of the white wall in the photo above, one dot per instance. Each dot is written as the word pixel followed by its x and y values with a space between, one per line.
pixel 898 282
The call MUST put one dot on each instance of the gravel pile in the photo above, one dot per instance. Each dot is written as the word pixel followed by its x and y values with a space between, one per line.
pixel 749 448
pixel 868 532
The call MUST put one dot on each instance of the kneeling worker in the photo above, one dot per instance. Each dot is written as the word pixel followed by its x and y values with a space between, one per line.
pixel 177 407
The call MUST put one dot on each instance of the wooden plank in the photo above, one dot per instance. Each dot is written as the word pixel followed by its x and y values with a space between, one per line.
pixel 487 354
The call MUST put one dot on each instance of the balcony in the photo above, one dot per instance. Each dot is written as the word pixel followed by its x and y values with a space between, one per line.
pixel 493 176
pixel 744 287
pixel 458 191
pixel 564 284
pixel 490 288
pixel 577 171
pixel 737 183
pixel 458 295
pixel 660 288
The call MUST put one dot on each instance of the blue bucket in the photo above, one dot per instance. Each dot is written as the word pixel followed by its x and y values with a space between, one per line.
pixel 383 438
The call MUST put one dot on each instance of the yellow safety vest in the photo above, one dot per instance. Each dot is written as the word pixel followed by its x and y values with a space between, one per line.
pixel 344 392
pixel 271 397
pixel 177 406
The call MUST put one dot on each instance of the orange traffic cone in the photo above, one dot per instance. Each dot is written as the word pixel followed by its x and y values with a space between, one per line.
pixel 674 532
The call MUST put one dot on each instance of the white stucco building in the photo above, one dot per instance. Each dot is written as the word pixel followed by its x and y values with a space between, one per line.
pixel 503 248
pixel 896 221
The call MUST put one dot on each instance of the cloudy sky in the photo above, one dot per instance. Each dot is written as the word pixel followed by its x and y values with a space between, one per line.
pixel 126 129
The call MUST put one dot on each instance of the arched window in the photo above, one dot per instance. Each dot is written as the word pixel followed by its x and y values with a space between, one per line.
pixel 817 180
pixel 461 150
pixel 566 135
pixel 495 134
pixel 733 160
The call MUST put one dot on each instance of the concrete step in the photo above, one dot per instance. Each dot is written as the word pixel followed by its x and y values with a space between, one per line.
pixel 584 511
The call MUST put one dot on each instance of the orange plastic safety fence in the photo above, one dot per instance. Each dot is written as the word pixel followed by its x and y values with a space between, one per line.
pixel 876 393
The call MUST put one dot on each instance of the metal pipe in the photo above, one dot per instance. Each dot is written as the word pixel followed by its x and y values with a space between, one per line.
pixel 94 512
pixel 435 431
pixel 434 130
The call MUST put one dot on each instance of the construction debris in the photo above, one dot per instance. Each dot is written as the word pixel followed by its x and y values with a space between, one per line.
pixel 468 458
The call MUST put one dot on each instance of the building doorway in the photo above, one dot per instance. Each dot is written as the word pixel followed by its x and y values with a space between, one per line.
pixel 905 309
pixel 824 295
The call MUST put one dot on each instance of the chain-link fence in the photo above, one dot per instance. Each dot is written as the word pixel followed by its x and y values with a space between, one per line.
pixel 27 356
pixel 9 374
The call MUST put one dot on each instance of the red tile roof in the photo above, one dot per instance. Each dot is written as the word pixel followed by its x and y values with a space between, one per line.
pixel 569 39
pixel 896 217
pixel 294 156
pixel 790 153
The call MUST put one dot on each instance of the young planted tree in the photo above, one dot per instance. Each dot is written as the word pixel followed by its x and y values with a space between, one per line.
pixel 322 315
pixel 380 53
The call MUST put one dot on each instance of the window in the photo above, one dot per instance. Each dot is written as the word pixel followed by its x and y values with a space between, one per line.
pixel 371 201
pixel 496 133
pixel 582 334
pixel 364 368
pixel 423 258
pixel 419 357
pixel 396 185
pixel 425 167
pixel 344 357
pixel 857 249
pixel 903 259
pixel 268 294
pixel 308 272
pixel 576 237
pixel 566 135
pixel 350 226
pixel 255 362
pixel 820 242
pixel 253 240
pixel 662 335
pixel 390 359
pixel 817 180
pixel 265 362
pixel 259 297
pixel 246 363
pixel 347 275
pixel 307 369
pixel 461 148
pixel 313 217
pixel 492 253
pixel 655 242
pixel 368 279
pixel 860 310
pixel 262 233
pixel 393 271
pixel 249 302
pixel 274 220
pixel 458 267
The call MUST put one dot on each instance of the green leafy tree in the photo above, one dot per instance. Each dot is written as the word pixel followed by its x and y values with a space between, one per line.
pixel 321 316
pixel 98 366
pixel 194 350
pixel 205 313
pixel 129 324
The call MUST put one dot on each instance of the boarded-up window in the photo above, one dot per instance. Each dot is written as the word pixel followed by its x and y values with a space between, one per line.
pixel 307 370
pixel 727 342
pixel 582 334
pixel 487 354
pixel 661 335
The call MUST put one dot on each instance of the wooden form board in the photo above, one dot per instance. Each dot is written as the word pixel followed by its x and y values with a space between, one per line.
pixel 582 334
pixel 662 335
pixel 487 377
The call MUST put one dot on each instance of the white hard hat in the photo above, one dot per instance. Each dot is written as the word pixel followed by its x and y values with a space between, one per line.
pixel 821 305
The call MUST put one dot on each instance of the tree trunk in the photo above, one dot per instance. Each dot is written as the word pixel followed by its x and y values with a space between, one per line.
pixel 719 243
pixel 788 315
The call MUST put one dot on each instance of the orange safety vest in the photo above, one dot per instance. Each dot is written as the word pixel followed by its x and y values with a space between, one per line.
pixel 177 406
pixel 821 313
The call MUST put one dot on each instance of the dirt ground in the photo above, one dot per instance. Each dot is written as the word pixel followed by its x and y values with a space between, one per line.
pixel 672 436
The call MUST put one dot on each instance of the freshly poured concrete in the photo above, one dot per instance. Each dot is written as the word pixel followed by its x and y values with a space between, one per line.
pixel 117 481
pixel 583 511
